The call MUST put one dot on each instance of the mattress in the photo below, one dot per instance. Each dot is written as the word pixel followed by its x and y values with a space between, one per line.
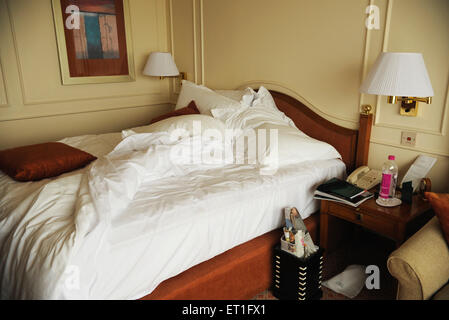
pixel 171 225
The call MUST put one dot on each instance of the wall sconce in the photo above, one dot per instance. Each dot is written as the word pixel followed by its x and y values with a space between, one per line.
pixel 161 64
pixel 401 76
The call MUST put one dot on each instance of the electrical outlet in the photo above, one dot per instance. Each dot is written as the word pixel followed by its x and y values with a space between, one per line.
pixel 408 139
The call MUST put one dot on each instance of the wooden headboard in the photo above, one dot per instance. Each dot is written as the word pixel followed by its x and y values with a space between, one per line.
pixel 353 145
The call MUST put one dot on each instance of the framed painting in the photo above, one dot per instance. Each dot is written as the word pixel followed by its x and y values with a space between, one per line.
pixel 94 41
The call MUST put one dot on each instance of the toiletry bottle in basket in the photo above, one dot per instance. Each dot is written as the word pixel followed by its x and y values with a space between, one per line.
pixel 389 180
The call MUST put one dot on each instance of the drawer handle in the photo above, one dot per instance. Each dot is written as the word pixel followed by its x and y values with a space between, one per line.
pixel 359 217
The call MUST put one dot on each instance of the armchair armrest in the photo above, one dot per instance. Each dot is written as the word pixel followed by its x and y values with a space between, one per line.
pixel 421 264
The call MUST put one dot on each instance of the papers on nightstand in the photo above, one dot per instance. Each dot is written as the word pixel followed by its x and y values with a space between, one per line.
pixel 418 170
pixel 342 191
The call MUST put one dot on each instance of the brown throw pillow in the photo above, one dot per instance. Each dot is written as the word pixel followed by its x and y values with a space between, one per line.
pixel 41 161
pixel 440 204
pixel 190 109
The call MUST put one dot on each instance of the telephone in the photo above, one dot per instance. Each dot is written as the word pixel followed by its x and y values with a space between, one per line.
pixel 365 177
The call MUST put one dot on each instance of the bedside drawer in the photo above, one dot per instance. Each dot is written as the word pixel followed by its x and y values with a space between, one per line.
pixel 380 225
pixel 350 214
pixel 375 223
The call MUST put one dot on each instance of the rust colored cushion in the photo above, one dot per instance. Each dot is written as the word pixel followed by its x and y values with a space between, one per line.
pixel 41 161
pixel 190 109
pixel 440 204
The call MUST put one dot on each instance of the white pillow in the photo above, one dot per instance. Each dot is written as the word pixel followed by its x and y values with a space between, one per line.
pixel 263 97
pixel 192 123
pixel 249 97
pixel 251 117
pixel 245 97
pixel 263 110
pixel 293 146
pixel 205 98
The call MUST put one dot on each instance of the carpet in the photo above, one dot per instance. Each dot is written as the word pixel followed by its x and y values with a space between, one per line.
pixel 363 248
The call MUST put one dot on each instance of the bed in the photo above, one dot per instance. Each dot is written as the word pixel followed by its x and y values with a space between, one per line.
pixel 244 271
pixel 233 214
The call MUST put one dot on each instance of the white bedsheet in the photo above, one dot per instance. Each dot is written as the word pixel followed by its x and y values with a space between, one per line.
pixel 54 244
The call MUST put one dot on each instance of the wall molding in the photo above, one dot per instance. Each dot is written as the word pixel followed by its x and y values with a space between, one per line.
pixel 195 40
pixel 96 98
pixel 443 124
pixel 32 113
pixel 414 149
pixel 364 66
pixel 3 94
pixel 203 72
pixel 171 26
pixel 198 40
pixel 16 51
pixel 377 121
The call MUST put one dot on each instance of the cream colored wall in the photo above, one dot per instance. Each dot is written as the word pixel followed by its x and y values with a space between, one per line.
pixel 318 52
pixel 415 26
pixel 36 107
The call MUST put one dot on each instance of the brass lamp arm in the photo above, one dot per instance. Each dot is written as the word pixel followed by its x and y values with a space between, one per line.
pixel 394 99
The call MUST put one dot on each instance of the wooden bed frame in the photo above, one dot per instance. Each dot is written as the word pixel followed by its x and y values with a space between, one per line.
pixel 245 270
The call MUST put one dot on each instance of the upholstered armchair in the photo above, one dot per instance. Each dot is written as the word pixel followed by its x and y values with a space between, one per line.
pixel 421 264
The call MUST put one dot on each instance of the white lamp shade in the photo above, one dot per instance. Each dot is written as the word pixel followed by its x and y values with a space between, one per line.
pixel 160 64
pixel 398 74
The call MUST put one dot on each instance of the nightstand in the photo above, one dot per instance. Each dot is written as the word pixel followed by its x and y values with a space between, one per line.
pixel 396 223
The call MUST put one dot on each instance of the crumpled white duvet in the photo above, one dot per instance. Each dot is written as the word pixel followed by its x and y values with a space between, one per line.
pixel 130 221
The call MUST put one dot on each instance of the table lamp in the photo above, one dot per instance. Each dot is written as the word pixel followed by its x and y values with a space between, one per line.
pixel 161 64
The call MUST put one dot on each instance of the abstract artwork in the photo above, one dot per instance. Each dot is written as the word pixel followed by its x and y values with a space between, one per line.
pixel 93 41
pixel 97 37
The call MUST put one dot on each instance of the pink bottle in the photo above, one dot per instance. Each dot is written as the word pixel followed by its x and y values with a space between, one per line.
pixel 389 180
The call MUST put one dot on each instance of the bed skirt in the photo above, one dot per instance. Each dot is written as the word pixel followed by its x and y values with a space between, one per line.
pixel 237 274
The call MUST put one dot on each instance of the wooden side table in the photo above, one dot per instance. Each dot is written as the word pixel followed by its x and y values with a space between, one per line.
pixel 396 223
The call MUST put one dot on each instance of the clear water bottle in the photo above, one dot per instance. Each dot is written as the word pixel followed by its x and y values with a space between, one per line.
pixel 389 180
